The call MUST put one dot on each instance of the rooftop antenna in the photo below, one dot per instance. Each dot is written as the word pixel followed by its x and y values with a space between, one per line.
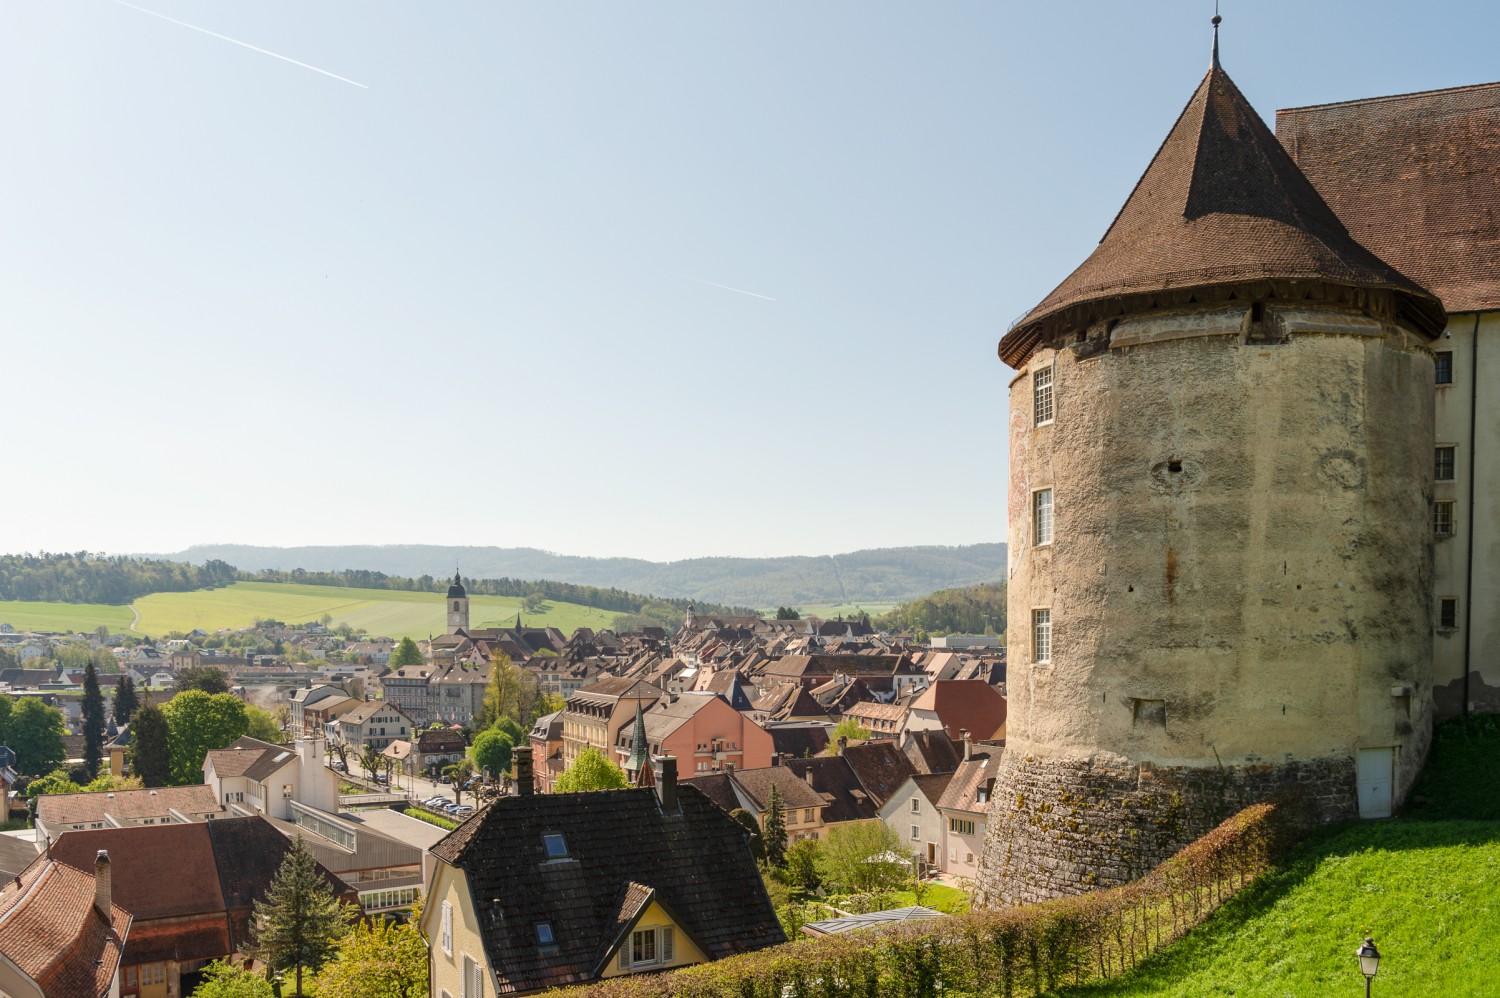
pixel 1216 22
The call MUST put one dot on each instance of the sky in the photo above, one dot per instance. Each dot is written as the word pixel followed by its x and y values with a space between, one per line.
pixel 660 280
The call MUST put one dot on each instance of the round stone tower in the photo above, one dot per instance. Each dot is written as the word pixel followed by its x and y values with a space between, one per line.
pixel 458 606
pixel 1221 460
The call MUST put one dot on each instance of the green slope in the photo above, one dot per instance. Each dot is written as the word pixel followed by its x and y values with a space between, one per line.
pixel 29 616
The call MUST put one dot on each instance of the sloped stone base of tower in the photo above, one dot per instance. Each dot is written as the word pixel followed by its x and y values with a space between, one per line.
pixel 1066 826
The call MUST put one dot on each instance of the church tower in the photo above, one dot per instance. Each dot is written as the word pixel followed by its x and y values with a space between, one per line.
pixel 1220 525
pixel 458 606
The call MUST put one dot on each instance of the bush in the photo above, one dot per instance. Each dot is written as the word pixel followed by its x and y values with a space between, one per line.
pixel 430 818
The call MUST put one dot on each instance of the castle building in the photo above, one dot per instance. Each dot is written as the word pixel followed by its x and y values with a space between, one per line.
pixel 1220 516
pixel 458 606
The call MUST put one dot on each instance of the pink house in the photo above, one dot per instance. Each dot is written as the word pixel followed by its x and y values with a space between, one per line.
pixel 703 732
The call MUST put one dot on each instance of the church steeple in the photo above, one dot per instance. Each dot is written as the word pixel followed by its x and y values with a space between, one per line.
pixel 639 760
pixel 458 606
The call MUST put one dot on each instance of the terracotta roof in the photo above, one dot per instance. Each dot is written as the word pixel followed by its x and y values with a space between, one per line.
pixel 931 751
pixel 971 775
pixel 52 931
pixel 126 805
pixel 1416 178
pixel 697 861
pixel 881 768
pixel 964 704
pixel 791 785
pixel 1221 203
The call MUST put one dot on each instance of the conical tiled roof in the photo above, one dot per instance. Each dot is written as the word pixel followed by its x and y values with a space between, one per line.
pixel 1221 203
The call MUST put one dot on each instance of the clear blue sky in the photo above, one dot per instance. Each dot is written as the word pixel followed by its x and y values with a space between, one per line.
pixel 474 301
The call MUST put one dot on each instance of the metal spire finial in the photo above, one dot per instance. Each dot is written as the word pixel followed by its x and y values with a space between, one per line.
pixel 1216 21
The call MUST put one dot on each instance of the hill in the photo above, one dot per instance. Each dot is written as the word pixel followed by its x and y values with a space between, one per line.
pixel 876 575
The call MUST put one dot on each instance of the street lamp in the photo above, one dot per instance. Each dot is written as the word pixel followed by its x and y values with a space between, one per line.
pixel 1369 962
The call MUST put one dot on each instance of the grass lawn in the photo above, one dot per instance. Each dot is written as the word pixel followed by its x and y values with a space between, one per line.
pixel 937 897
pixel 25 616
pixel 380 611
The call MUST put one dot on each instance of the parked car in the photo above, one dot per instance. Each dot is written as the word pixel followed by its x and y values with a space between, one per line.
pixel 340 766
pixel 382 778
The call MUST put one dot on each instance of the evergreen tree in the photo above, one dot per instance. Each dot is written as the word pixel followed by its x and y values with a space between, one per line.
pixel 126 702
pixel 93 721
pixel 773 829
pixel 151 746
pixel 300 921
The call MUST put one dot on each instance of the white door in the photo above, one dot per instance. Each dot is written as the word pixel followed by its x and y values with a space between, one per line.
pixel 1374 775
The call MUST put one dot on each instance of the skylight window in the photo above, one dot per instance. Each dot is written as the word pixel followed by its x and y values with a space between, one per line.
pixel 544 934
pixel 556 846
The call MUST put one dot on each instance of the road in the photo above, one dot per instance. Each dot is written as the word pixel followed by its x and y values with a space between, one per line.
pixel 416 788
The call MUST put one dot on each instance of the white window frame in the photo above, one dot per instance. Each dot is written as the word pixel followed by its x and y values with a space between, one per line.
pixel 916 805
pixel 447 932
pixel 1444 518
pixel 916 833
pixel 1042 520
pixel 663 946
pixel 1043 395
pixel 1041 635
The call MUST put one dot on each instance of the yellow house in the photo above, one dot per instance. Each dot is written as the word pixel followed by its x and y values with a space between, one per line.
pixel 542 890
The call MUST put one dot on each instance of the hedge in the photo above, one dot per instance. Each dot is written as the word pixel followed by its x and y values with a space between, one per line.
pixel 1011 952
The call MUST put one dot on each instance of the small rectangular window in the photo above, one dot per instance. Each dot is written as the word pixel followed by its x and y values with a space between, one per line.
pixel 916 832
pixel 1442 367
pixel 1041 635
pixel 1448 612
pixel 1444 464
pixel 1041 396
pixel 916 805
pixel 643 947
pixel 1442 519
pixel 556 846
pixel 807 814
pixel 544 934
pixel 1041 516
pixel 447 928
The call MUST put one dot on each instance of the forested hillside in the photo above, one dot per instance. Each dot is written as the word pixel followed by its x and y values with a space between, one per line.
pixel 970 610
pixel 879 575
pixel 93 578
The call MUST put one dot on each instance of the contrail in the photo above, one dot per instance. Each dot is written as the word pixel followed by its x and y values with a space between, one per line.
pixel 725 287
pixel 247 45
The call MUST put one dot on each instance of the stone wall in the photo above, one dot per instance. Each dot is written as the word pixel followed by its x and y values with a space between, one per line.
pixel 1065 826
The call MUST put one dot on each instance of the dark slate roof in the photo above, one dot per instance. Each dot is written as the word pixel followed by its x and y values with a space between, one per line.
pixel 696 860
pixel 1221 203
pixel 931 751
pixel 718 788
pixel 837 786
pixel 1415 177
pixel 456 591
pixel 799 740
pixel 881 768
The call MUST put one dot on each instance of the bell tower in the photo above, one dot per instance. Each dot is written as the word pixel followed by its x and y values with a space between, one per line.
pixel 458 606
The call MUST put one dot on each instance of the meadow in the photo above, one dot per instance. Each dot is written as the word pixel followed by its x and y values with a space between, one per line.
pixel 385 612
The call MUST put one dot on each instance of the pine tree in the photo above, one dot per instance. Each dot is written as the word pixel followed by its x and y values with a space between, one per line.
pixel 300 921
pixel 151 746
pixel 126 702
pixel 773 829
pixel 93 721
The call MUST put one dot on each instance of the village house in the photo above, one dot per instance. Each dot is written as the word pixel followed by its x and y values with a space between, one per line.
pixel 61 931
pixel 58 813
pixel 955 705
pixel 702 727
pixel 964 806
pixel 546 738
pixel 299 700
pixel 406 687
pixel 595 715
pixel 912 813
pixel 436 748
pixel 252 775
pixel 374 724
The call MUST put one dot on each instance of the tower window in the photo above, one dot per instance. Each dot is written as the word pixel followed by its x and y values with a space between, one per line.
pixel 1448 613
pixel 1041 516
pixel 1443 464
pixel 1041 396
pixel 1442 519
pixel 1442 367
pixel 1041 635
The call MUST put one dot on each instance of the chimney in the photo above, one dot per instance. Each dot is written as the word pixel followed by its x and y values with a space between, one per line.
pixel 968 743
pixel 843 744
pixel 775 758
pixel 101 883
pixel 664 768
pixel 729 768
pixel 521 756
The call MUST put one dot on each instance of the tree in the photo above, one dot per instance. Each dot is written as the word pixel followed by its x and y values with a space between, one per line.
pixel 518 735
pixel 864 856
pixel 370 760
pixel 787 613
pixel 55 782
pixel 202 677
pixel 151 746
pixel 802 865
pixel 300 920
pixel 590 771
pixel 93 721
pixel 773 829
pixel 126 700
pixel 225 980
pixel 378 959
pixel 550 703
pixel 850 728
pixel 491 751
pixel 36 733
pixel 201 723
pixel 260 724
pixel 406 653
pixel 512 692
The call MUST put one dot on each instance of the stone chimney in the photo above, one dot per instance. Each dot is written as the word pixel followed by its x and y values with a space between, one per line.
pixel 968 743
pixel 525 782
pixel 102 886
pixel 729 768
pixel 664 768
pixel 843 744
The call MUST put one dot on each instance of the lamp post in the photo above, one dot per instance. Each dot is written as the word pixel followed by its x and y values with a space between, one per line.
pixel 1369 962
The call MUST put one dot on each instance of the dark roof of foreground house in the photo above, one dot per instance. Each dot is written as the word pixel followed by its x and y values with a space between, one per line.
pixel 1415 177
pixel 621 846
pixel 1221 203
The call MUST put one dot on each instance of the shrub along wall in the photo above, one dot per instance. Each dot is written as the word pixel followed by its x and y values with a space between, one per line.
pixel 1011 952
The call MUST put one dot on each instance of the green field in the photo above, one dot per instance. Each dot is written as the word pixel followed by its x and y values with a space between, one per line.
pixel 24 616
pixel 832 611
pixel 380 611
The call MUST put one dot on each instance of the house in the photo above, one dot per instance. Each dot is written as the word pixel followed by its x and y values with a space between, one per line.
pixel 912 813
pixel 406 687
pixel 750 791
pixel 882 720
pixel 955 705
pixel 373 724
pixel 702 727
pixel 543 890
pixel 547 750
pixel 319 718
pixel 255 776
pixel 61 931
pixel 437 747
pixel 964 806
pixel 299 700
pixel 455 690
pixel 118 751
pixel 58 813
pixel 595 715
pixel 189 891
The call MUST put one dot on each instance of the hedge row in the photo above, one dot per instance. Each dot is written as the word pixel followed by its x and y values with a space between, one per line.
pixel 1013 952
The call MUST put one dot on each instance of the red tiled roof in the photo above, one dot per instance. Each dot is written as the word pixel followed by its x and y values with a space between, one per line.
pixel 1416 178
pixel 73 809
pixel 51 930
pixel 1221 203
pixel 964 704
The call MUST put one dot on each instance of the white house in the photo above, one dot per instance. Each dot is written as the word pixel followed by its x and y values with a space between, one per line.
pixel 374 723
pixel 252 776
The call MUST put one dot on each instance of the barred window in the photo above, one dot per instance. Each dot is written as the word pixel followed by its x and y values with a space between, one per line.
pixel 1041 635
pixel 1442 519
pixel 1443 367
pixel 1041 516
pixel 1444 464
pixel 1041 396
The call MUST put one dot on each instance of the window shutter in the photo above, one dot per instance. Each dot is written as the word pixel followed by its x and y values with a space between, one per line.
pixel 666 945
pixel 625 956
pixel 447 928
